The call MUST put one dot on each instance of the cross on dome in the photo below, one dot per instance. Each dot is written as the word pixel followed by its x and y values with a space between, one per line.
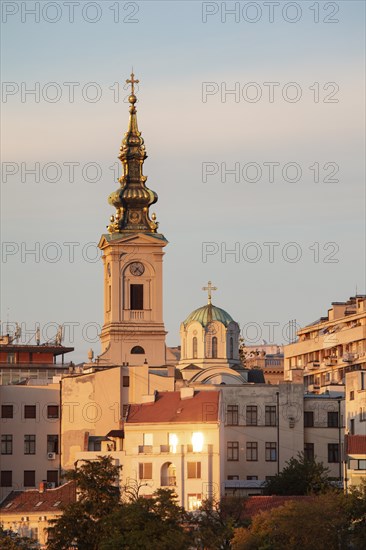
pixel 209 289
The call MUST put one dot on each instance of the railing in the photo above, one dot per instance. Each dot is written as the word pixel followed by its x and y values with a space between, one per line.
pixel 313 365
pixel 146 449
pixel 349 357
pixel 168 481
pixel 136 315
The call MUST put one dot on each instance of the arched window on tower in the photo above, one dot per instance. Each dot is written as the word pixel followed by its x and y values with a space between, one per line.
pixel 137 350
pixel 214 347
pixel 194 347
pixel 137 297
pixel 231 350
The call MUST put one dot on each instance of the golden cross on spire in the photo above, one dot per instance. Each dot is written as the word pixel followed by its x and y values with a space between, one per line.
pixel 209 289
pixel 132 81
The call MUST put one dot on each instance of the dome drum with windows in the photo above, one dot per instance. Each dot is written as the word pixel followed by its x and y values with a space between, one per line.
pixel 209 337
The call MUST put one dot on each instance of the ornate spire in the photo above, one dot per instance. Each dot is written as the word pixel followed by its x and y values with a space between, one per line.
pixel 133 199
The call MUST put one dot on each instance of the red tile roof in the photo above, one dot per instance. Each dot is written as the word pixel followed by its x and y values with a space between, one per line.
pixel 169 407
pixel 256 504
pixel 356 444
pixel 51 500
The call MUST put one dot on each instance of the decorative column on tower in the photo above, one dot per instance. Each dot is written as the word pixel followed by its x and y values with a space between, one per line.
pixel 133 329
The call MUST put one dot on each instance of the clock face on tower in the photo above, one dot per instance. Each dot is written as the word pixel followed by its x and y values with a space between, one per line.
pixel 137 269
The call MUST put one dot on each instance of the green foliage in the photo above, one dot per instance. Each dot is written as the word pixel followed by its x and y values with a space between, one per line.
pixel 13 541
pixel 157 523
pixel 214 525
pixel 329 521
pixel 300 476
pixel 98 495
pixel 101 520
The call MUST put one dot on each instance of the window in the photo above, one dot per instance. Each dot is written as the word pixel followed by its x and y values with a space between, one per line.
pixel 109 302
pixel 11 358
pixel 309 451
pixel 270 415
pixel 29 411
pixel 94 443
pixel 214 347
pixel 308 419
pixel 137 350
pixel 194 347
pixel 173 442
pixel 145 470
pixel 271 451
pixel 252 451
pixel 352 426
pixel 232 478
pixel 351 395
pixel 33 533
pixel 6 478
pixel 362 414
pixel 232 415
pixel 359 464
pixel 6 444
pixel 29 444
pixel 52 476
pixel 137 296
pixel 52 411
pixel 233 450
pixel 126 381
pixel 194 501
pixel 7 411
pixel 333 452
pixel 194 470
pixel 231 348
pixel 252 478
pixel 29 478
pixel 252 415
pixel 148 440
pixel 332 419
pixel 52 444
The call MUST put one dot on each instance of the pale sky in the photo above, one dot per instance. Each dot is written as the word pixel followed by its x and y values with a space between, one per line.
pixel 193 131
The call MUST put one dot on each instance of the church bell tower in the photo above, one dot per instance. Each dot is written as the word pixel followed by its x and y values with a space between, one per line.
pixel 133 329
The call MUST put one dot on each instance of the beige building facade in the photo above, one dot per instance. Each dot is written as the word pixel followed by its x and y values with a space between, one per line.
pixel 331 347
pixel 29 436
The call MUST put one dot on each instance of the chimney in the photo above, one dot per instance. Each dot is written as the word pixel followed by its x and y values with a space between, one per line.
pixel 42 486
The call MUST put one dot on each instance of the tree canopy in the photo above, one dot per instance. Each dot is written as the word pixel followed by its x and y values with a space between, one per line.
pixel 328 521
pixel 300 476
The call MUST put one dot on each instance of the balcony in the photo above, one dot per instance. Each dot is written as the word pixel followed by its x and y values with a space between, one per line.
pixel 330 361
pixel 349 357
pixel 145 449
pixel 170 481
pixel 313 365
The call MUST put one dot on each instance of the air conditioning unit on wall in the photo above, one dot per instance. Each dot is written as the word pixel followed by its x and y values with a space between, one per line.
pixel 51 456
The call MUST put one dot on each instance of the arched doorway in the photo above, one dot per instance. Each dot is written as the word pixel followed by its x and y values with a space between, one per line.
pixel 168 475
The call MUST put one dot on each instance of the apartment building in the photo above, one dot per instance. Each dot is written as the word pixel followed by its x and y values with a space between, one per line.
pixel 29 436
pixel 332 346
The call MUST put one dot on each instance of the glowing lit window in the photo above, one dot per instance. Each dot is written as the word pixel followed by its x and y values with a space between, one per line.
pixel 173 442
pixel 194 501
pixel 197 442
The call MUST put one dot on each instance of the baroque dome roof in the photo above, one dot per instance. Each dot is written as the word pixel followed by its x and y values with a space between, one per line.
pixel 208 313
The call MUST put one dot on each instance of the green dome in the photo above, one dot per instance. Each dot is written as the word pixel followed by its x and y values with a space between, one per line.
pixel 208 313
